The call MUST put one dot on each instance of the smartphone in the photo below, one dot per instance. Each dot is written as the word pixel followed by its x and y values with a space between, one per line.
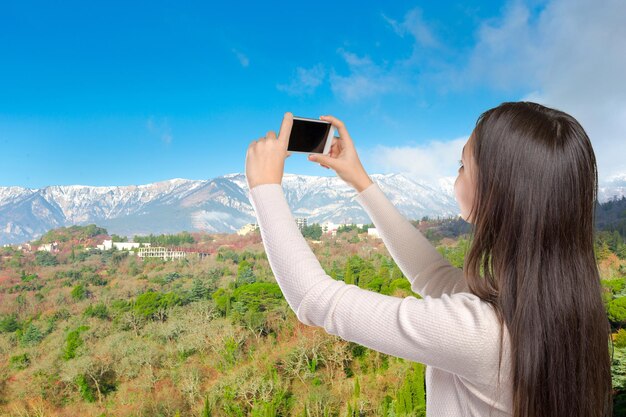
pixel 310 136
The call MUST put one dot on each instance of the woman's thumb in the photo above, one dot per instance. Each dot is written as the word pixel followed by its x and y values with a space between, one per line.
pixel 322 159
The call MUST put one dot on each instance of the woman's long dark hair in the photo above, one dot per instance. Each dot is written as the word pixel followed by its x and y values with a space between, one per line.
pixel 532 258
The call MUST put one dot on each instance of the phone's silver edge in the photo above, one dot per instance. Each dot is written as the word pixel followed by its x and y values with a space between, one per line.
pixel 313 120
pixel 318 153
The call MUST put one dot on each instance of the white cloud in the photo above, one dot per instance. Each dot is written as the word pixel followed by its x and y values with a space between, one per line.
pixel 243 60
pixel 571 57
pixel 566 54
pixel 160 128
pixel 304 81
pixel 428 162
pixel 415 25
pixel 366 79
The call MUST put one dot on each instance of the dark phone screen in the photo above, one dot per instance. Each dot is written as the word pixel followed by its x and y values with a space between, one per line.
pixel 308 136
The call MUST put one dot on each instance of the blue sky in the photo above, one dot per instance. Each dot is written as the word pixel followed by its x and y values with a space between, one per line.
pixel 114 93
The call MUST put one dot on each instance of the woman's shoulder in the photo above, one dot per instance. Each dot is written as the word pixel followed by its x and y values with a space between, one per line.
pixel 471 311
pixel 469 303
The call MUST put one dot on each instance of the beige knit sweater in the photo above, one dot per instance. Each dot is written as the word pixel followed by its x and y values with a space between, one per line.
pixel 450 330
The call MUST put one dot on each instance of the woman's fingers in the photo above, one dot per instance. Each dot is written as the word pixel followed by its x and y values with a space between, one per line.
pixel 335 147
pixel 341 128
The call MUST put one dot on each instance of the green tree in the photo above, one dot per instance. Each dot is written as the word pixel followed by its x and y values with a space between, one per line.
pixel 618 370
pixel 348 276
pixel 222 299
pixel 20 362
pixel 154 305
pixel 615 285
pixel 617 311
pixel 344 228
pixel 313 231
pixel 455 254
pixel 621 251
pixel 147 304
pixel 31 336
pixel 79 292
pixel 99 310
pixel 43 258
pixel 72 342
pixel 133 267
pixel 224 254
pixel 245 275
pixel 602 251
pixel 117 238
pixel 620 338
pixel 411 396
pixel 166 240
pixel 198 290
pixel 259 296
pixel 9 323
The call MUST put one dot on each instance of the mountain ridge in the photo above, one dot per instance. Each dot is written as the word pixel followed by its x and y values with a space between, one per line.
pixel 218 205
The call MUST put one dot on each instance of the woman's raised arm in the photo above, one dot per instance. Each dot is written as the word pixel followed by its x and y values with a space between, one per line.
pixel 427 270
pixel 451 332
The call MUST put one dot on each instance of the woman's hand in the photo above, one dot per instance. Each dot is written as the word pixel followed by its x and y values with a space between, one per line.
pixel 265 158
pixel 343 158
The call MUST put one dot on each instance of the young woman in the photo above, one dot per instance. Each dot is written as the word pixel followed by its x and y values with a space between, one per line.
pixel 521 330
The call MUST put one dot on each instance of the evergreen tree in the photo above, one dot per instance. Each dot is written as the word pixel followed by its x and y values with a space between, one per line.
pixel 9 324
pixel 198 290
pixel 245 275
pixel 602 251
pixel 348 276
pixel 313 231
pixel 32 335
pixel 411 398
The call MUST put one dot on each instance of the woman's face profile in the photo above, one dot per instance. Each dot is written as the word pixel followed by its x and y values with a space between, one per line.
pixel 465 184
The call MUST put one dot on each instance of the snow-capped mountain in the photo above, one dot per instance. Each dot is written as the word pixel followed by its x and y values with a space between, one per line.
pixel 219 205
pixel 613 187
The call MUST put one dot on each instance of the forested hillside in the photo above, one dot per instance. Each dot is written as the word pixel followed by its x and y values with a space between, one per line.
pixel 105 333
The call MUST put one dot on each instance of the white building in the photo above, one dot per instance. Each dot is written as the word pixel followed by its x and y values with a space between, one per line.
pixel 109 244
pixel 48 247
pixel 372 231
pixel 250 227
pixel 161 252
pixel 24 247
pixel 301 222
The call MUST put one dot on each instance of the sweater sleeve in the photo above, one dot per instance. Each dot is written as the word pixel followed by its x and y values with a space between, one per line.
pixel 427 270
pixel 446 332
